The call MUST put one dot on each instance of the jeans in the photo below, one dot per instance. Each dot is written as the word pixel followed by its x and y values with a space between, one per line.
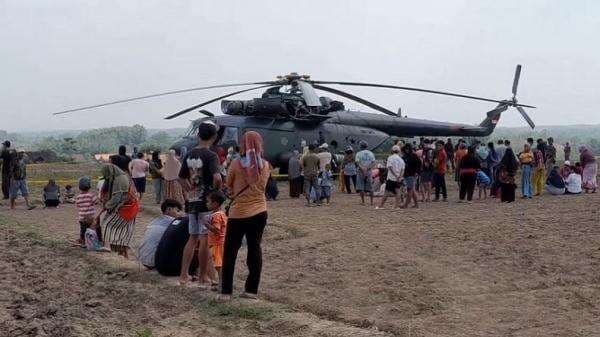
pixel 439 182
pixel 157 186
pixel 252 228
pixel 526 181
pixel 467 186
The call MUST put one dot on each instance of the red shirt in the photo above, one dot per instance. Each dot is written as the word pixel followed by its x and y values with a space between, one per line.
pixel 440 166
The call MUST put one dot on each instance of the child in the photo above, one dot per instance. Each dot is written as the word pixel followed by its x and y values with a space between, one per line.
pixel 92 242
pixel 483 183
pixel 69 197
pixel 217 226
pixel 86 209
pixel 51 194
pixel 326 183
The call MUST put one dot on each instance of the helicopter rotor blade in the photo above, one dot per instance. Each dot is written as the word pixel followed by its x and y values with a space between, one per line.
pixel 184 111
pixel 526 117
pixel 158 95
pixel 309 94
pixel 375 85
pixel 516 80
pixel 355 98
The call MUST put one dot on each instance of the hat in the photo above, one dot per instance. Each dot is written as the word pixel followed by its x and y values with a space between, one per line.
pixel 363 144
pixel 396 148
pixel 85 183
pixel 324 146
pixel 567 163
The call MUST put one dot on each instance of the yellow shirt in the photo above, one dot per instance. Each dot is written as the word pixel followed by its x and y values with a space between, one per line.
pixel 252 200
pixel 526 158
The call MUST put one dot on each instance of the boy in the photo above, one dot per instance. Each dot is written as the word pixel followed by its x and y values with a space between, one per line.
pixel 483 182
pixel 217 226
pixel 326 184
pixel 86 210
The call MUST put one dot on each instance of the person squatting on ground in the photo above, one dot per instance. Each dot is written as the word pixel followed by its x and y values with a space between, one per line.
pixel 171 210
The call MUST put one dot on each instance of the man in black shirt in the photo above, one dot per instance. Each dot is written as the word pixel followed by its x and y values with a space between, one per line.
pixel 169 252
pixel 121 160
pixel 411 172
pixel 7 157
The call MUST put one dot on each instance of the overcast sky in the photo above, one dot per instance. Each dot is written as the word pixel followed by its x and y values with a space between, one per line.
pixel 63 54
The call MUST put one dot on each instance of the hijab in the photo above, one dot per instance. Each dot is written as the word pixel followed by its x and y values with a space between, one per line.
pixel 586 155
pixel 251 150
pixel 172 167
pixel 115 180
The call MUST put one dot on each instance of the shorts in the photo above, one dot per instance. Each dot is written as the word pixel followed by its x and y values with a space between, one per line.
pixel 16 186
pixel 217 255
pixel 392 187
pixel 364 183
pixel 196 225
pixel 410 182
pixel 140 184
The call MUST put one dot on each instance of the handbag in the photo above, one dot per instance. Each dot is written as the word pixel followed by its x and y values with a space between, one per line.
pixel 131 207
pixel 231 200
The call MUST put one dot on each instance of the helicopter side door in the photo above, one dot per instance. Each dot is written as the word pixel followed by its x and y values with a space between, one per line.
pixel 277 144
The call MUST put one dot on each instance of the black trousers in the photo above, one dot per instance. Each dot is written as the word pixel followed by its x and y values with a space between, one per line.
pixel 347 180
pixel 439 182
pixel 296 187
pixel 507 192
pixel 467 186
pixel 252 228
pixel 5 186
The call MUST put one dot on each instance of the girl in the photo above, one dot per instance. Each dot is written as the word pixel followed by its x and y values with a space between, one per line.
pixel 508 169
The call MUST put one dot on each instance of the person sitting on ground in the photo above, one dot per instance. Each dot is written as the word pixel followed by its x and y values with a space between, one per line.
pixel 566 169
pixel 169 252
pixel 483 183
pixel 92 241
pixel 171 209
pixel 578 169
pixel 326 183
pixel 69 196
pixel 573 183
pixel 217 227
pixel 51 194
pixel 554 183
pixel 86 209
pixel 18 182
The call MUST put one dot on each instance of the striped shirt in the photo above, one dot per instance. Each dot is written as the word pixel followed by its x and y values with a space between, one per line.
pixel 85 203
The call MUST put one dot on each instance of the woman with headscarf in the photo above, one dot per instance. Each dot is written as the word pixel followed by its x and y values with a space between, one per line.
pixel 555 184
pixel 119 201
pixel 155 168
pixel 246 182
pixel 170 174
pixel 590 169
pixel 508 169
pixel 51 194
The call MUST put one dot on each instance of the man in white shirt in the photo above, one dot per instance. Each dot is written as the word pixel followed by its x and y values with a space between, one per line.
pixel 324 156
pixel 573 183
pixel 171 210
pixel 395 176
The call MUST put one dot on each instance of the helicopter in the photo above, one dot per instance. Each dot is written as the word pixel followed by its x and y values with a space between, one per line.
pixel 290 114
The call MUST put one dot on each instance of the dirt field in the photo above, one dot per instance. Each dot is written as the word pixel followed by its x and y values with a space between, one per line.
pixel 531 268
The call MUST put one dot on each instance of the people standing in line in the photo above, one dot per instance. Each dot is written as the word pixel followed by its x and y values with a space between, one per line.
pixel 395 175
pixel 51 194
pixel 411 173
pixel 18 181
pixel 295 175
pixel 439 173
pixel 469 165
pixel 550 155
pixel 567 151
pixel 121 159
pixel 426 177
pixel 449 148
pixel 527 160
pixel 155 167
pixel 539 170
pixel 247 180
pixel 8 157
pixel 170 173
pixel 508 169
pixel 310 168
pixel 349 169
pixel 199 175
pixel 589 169
pixel 365 160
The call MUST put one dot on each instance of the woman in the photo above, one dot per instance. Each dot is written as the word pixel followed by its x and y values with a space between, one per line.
pixel 51 194
pixel 246 182
pixel 460 153
pixel 590 169
pixel 508 170
pixel 170 174
pixel 349 169
pixel 118 194
pixel 555 184
pixel 526 160
pixel 468 167
pixel 156 174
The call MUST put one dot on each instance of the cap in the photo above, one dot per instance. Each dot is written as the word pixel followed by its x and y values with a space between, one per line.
pixel 396 148
pixel 324 146
pixel 567 163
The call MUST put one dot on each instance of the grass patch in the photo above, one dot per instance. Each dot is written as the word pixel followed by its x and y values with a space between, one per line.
pixel 147 332
pixel 216 308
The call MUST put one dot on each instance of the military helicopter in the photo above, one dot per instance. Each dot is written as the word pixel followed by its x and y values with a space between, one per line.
pixel 290 114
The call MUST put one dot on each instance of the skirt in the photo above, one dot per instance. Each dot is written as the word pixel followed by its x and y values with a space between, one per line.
pixel 172 190
pixel 590 171
pixel 117 232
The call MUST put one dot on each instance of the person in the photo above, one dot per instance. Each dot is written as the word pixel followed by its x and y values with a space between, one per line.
pixel 324 156
pixel 217 227
pixel 565 170
pixel 118 197
pixel 295 175
pixel 550 155
pixel 459 154
pixel 573 183
pixel 7 156
pixel 426 176
pixel 500 148
pixel 469 165
pixel 508 169
pixel 589 169
pixel 139 169
pixel 155 166
pixel 247 180
pixel 439 173
pixel 170 210
pixel 271 191
pixel 395 177
pixel 365 160
pixel 555 184
pixel 169 252
pixel 492 161
pixel 51 194
pixel 233 153
pixel 539 169
pixel 121 160
pixel 411 172
pixel 449 148
pixel 86 209
pixel 326 183
pixel 92 241
pixel 69 196
pixel 170 174
pixel 567 151
pixel 349 169
pixel 18 181
pixel 310 168
pixel 199 175
pixel 483 183
pixel 526 160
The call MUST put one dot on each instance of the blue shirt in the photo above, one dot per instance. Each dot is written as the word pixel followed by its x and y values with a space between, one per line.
pixel 482 178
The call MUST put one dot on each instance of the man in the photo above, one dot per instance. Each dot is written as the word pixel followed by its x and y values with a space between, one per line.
pixel 439 173
pixel 324 156
pixel 169 252
pixel 567 151
pixel 395 176
pixel 500 149
pixel 295 175
pixel 171 209
pixel 365 161
pixel 310 167
pixel 550 154
pixel 122 160
pixel 411 172
pixel 18 182
pixel 7 156
pixel 199 175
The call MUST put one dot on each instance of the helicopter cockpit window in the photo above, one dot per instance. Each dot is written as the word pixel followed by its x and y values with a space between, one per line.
pixel 230 135
pixel 192 131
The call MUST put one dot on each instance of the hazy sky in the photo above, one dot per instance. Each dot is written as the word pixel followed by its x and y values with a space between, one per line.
pixel 62 54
